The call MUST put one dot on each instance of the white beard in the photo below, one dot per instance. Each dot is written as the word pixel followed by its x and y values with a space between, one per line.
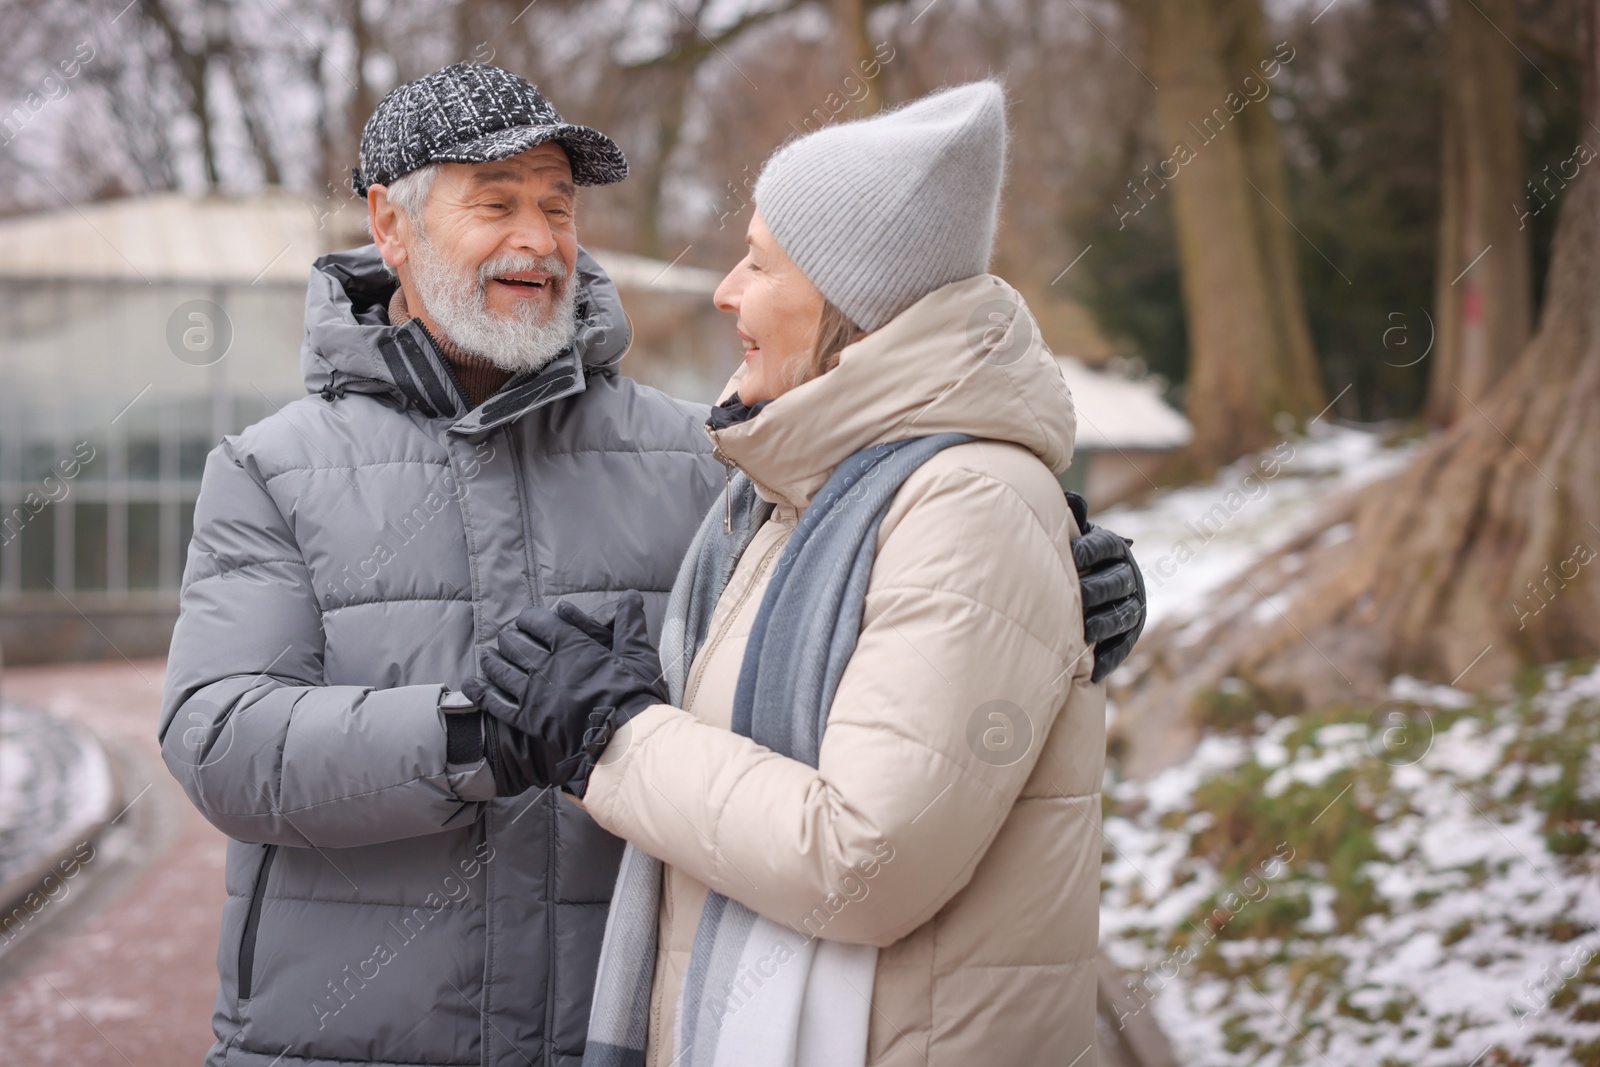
pixel 457 300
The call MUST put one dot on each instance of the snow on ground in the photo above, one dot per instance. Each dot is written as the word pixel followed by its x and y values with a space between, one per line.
pixel 1191 541
pixel 1414 884
pixel 55 787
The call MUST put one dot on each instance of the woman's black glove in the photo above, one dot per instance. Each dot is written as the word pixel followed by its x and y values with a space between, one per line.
pixel 1113 591
pixel 565 683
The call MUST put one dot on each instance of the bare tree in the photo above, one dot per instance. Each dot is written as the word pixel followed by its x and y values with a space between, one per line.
pixel 670 77
pixel 254 107
pixel 191 59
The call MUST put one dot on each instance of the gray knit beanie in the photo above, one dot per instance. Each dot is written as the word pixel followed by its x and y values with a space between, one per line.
pixel 880 212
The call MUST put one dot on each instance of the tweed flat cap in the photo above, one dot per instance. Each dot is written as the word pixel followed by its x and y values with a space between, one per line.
pixel 473 113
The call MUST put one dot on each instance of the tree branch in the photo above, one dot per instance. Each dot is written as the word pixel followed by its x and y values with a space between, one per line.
pixel 693 46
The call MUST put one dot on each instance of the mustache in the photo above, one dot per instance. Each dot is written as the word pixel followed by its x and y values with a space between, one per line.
pixel 512 263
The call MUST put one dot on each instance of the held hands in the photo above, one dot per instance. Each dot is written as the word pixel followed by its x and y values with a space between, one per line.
pixel 558 686
pixel 1113 591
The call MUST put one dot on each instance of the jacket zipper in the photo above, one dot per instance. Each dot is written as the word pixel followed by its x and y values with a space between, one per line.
pixel 535 595
pixel 252 924
pixel 552 802
pixel 652 1053
pixel 728 466
pixel 461 390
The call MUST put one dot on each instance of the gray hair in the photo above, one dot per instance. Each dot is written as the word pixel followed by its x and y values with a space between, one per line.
pixel 409 193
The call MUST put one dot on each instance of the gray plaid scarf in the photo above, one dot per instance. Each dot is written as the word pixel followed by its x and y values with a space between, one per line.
pixel 804 634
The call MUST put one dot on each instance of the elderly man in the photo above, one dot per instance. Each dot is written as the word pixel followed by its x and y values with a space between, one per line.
pixel 396 894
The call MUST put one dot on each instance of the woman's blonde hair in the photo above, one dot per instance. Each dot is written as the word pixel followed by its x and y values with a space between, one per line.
pixel 835 331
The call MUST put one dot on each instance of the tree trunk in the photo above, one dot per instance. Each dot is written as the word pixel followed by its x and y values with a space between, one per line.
pixel 850 17
pixel 674 81
pixel 193 67
pixel 1264 166
pixel 669 80
pixel 1483 292
pixel 364 100
pixel 253 110
pixel 1480 557
pixel 1250 354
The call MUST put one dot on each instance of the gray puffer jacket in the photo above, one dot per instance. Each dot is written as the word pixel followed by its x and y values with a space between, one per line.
pixel 352 556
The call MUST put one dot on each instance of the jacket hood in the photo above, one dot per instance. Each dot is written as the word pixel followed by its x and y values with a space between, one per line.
pixel 351 347
pixel 966 358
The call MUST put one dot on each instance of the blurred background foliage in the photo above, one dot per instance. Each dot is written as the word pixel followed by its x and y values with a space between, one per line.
pixel 233 95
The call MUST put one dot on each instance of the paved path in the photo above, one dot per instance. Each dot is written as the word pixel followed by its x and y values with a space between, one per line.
pixel 124 971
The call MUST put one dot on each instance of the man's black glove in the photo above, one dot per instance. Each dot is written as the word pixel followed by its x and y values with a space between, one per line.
pixel 1113 590
pixel 562 684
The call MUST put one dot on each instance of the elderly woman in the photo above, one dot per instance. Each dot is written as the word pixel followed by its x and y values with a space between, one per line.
pixel 862 798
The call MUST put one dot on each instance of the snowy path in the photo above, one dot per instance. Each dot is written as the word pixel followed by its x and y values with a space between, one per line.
pixel 1192 541
pixel 56 790
pixel 125 972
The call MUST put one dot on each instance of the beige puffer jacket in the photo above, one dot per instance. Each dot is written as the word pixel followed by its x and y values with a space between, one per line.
pixel 953 820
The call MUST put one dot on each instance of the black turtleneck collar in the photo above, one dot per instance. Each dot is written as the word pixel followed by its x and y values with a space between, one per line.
pixel 733 411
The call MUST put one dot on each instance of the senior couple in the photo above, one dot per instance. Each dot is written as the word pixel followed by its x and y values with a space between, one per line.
pixel 556 721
